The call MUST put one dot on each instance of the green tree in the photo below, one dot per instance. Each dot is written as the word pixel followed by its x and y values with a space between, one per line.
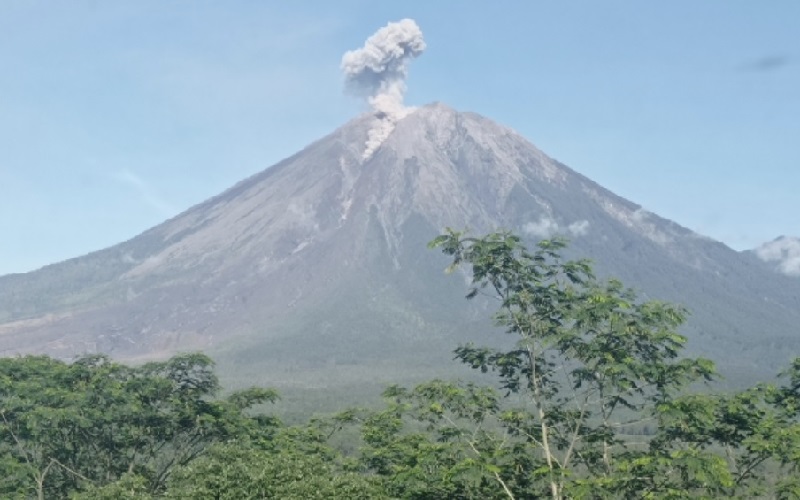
pixel 748 442
pixel 295 464
pixel 590 360
pixel 128 487
pixel 441 440
pixel 66 426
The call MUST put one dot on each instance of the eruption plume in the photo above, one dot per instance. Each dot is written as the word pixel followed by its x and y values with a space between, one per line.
pixel 377 72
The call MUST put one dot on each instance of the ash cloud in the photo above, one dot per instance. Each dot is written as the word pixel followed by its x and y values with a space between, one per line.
pixel 377 72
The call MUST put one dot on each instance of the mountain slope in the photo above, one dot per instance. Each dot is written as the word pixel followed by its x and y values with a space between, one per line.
pixel 315 271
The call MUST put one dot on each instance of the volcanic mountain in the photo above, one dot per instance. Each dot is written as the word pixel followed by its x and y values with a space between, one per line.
pixel 315 271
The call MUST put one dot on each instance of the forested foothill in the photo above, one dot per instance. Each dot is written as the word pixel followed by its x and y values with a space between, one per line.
pixel 593 400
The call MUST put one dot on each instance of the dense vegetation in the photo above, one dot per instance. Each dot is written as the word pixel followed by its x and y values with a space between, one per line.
pixel 593 400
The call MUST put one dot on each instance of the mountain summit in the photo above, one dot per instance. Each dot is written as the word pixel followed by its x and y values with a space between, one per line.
pixel 316 268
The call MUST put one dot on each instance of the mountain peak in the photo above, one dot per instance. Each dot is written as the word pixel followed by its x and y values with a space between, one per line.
pixel 436 132
pixel 443 121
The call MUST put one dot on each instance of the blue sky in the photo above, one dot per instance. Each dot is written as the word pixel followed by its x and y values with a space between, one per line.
pixel 117 115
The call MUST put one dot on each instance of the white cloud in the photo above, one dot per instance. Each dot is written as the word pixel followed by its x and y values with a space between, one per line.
pixel 785 251
pixel 547 227
pixel 146 192
pixel 640 215
pixel 578 228
pixel 641 220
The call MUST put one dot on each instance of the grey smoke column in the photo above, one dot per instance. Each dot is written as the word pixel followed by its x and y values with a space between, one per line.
pixel 378 72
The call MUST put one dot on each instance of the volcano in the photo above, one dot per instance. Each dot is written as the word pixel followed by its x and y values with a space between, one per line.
pixel 315 271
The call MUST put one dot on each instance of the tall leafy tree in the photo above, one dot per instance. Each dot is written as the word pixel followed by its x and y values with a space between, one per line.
pixel 65 426
pixel 590 360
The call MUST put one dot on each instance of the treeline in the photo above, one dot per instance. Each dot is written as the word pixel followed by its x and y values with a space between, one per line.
pixel 594 400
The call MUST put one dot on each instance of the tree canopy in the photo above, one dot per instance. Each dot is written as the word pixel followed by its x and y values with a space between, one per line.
pixel 591 397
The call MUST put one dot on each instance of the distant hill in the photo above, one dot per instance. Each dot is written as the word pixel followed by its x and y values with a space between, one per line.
pixel 314 273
